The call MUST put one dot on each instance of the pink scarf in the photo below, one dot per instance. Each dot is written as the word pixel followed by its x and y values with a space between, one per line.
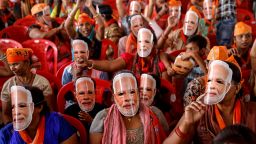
pixel 115 130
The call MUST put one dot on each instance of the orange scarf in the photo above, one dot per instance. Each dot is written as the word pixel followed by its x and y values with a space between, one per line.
pixel 39 138
pixel 236 115
pixel 131 44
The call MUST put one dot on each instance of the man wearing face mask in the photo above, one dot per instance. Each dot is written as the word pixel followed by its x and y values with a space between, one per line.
pixel 126 121
pixel 134 7
pixel 148 92
pixel 207 24
pixel 47 28
pixel 77 68
pixel 218 107
pixel 86 108
pixel 32 121
pixel 146 60
pixel 176 39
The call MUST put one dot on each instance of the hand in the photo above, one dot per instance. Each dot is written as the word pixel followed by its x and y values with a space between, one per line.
pixel 194 112
pixel 85 117
pixel 35 62
pixel 233 51
pixel 187 55
pixel 163 10
pixel 79 3
pixel 253 49
pixel 172 21
pixel 88 3
pixel 170 71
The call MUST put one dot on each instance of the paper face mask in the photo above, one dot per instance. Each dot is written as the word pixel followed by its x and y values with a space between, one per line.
pixel 85 93
pixel 219 83
pixel 135 8
pixel 126 94
pixel 183 67
pixel 147 89
pixel 208 9
pixel 22 107
pixel 145 42
pixel 175 11
pixel 190 23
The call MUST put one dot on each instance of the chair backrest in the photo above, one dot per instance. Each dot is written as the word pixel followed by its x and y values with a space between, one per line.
pixel 15 32
pixel 46 51
pixel 55 85
pixel 27 21
pixel 9 43
pixel 79 126
pixel 244 15
pixel 106 44
pixel 101 87
pixel 61 70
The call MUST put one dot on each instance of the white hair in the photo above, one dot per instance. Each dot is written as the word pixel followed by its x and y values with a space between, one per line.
pixel 145 30
pixel 122 75
pixel 133 3
pixel 80 42
pixel 147 76
pixel 82 79
pixel 225 65
pixel 16 88
pixel 189 12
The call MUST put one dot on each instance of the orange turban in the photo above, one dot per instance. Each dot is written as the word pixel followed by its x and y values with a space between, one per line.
pixel 174 3
pixel 218 53
pixel 83 18
pixel 233 60
pixel 193 8
pixel 37 8
pixel 242 28
pixel 18 54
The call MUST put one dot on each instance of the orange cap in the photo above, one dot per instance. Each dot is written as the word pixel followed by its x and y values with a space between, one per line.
pixel 242 28
pixel 193 8
pixel 18 54
pixel 218 53
pixel 83 18
pixel 233 60
pixel 38 8
pixel 174 3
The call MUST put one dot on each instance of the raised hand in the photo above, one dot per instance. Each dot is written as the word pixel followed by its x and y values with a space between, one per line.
pixel 88 3
pixel 194 112
pixel 172 21
pixel 85 117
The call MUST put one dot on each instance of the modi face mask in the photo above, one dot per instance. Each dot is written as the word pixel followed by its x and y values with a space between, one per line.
pixel 22 107
pixel 147 89
pixel 208 9
pixel 175 11
pixel 190 23
pixel 135 8
pixel 218 84
pixel 126 94
pixel 145 42
pixel 85 93
pixel 181 66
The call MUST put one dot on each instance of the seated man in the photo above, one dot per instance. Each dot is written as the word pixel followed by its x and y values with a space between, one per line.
pixel 86 107
pixel 148 92
pixel 32 121
pixel 218 108
pixel 126 121
pixel 19 60
pixel 77 68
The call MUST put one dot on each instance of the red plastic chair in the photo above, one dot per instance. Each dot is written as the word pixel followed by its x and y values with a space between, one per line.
pixel 79 126
pixel 27 21
pixel 101 86
pixel 244 15
pixel 61 70
pixel 106 43
pixel 46 51
pixel 15 32
pixel 9 43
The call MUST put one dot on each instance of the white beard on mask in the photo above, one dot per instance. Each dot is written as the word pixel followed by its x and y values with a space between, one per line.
pixel 130 112
pixel 17 126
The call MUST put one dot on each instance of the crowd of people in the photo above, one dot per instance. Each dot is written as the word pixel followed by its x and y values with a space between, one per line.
pixel 178 72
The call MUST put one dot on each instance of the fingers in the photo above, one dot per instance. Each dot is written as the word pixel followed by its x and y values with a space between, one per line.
pixel 196 106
